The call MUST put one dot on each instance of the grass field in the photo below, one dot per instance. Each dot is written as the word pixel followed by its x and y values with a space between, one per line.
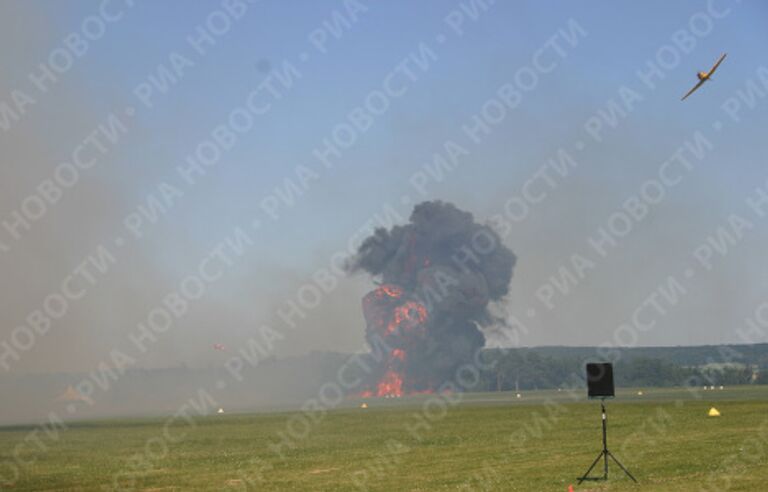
pixel 540 442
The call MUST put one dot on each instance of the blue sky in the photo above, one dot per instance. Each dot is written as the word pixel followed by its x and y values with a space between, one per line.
pixel 621 37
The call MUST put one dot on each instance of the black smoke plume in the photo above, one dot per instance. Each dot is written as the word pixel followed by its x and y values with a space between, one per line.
pixel 437 276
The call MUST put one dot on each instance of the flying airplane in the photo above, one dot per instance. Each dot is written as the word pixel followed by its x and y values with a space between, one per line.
pixel 704 76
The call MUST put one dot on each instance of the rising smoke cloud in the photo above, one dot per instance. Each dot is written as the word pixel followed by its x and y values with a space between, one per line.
pixel 438 275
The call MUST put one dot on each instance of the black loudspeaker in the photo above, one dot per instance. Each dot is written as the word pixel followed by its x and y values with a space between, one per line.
pixel 600 380
pixel 600 385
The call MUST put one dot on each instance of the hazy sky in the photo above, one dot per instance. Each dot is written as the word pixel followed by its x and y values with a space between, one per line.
pixel 387 84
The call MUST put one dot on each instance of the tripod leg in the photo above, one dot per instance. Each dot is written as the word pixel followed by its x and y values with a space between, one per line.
pixel 584 477
pixel 621 466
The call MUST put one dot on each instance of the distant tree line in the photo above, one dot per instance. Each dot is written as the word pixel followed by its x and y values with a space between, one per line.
pixel 526 369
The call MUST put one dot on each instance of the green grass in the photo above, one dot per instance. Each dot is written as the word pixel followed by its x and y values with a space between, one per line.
pixel 539 442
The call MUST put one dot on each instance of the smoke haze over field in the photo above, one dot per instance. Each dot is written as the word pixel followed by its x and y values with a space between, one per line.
pixel 124 237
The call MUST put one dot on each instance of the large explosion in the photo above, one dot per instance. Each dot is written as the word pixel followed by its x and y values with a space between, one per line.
pixel 437 276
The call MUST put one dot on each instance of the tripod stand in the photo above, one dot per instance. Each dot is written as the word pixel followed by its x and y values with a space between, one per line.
pixel 605 453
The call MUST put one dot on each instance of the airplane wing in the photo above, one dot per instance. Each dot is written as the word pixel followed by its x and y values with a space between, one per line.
pixel 694 89
pixel 717 64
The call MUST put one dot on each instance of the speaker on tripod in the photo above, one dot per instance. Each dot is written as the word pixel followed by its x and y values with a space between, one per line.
pixel 600 385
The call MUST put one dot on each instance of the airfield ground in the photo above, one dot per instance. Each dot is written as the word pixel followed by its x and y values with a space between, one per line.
pixel 541 441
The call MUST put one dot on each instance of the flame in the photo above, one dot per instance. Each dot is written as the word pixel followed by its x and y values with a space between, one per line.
pixel 399 321
pixel 411 311
pixel 389 290
pixel 390 385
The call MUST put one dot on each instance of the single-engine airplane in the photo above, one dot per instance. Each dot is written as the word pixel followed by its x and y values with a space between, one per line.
pixel 704 76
